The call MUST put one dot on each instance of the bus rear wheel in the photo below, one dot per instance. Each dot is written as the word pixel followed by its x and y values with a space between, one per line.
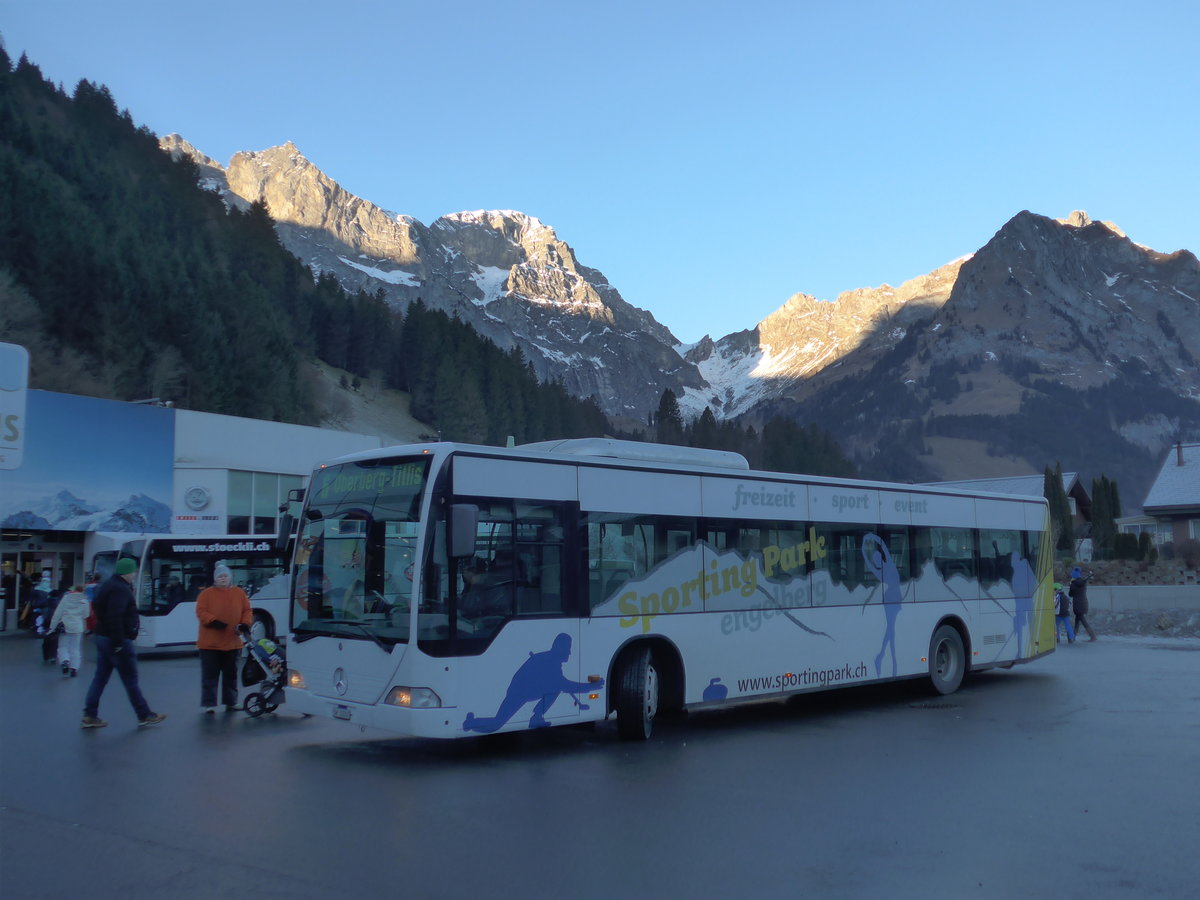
pixel 947 660
pixel 636 700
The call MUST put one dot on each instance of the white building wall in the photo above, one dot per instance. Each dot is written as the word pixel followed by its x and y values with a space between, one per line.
pixel 208 446
pixel 230 442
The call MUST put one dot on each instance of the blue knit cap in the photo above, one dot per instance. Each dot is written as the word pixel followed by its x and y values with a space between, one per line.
pixel 1076 572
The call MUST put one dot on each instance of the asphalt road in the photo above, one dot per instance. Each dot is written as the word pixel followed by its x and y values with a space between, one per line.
pixel 1074 776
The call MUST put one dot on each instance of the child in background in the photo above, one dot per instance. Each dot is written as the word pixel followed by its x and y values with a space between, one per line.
pixel 72 614
pixel 1062 613
pixel 89 591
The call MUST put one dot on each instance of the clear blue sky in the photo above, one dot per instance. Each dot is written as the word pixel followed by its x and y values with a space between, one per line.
pixel 711 159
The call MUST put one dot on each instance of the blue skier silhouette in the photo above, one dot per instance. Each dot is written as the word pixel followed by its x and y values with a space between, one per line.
pixel 879 563
pixel 1024 583
pixel 539 679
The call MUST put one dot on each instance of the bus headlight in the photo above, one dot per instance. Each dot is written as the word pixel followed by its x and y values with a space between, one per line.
pixel 413 698
pixel 296 680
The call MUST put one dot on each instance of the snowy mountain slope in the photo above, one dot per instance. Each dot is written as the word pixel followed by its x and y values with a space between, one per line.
pixel 509 276
pixel 1060 340
pixel 64 511
pixel 1068 301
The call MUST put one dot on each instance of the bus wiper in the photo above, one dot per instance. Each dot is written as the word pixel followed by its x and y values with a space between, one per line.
pixel 366 629
pixel 307 634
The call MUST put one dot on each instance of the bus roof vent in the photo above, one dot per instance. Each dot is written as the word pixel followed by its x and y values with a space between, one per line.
pixel 656 453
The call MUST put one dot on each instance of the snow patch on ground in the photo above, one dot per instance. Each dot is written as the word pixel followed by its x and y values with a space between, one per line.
pixel 492 281
pixel 394 276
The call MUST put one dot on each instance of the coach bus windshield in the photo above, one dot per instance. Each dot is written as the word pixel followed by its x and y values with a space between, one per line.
pixel 355 560
pixel 178 569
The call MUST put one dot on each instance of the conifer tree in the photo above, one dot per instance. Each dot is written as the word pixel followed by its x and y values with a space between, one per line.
pixel 1106 507
pixel 668 422
pixel 704 433
pixel 1062 527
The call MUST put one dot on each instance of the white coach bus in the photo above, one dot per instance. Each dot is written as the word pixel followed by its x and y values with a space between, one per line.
pixel 174 569
pixel 447 590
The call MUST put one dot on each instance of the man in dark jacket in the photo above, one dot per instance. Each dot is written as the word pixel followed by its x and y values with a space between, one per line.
pixel 1079 601
pixel 116 627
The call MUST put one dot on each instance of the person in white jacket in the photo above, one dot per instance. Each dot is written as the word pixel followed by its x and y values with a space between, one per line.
pixel 72 613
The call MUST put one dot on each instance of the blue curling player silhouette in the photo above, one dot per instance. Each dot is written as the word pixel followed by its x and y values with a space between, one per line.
pixel 1024 585
pixel 879 563
pixel 539 679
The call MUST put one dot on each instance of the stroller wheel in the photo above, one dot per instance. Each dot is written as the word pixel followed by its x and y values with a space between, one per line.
pixel 255 706
pixel 273 697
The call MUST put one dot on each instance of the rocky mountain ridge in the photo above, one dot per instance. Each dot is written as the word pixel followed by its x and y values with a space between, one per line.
pixel 511 278
pixel 65 511
pixel 806 336
pixel 1059 340
pixel 505 273
pixel 905 377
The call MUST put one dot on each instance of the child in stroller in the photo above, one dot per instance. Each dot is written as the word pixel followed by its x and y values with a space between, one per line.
pixel 265 665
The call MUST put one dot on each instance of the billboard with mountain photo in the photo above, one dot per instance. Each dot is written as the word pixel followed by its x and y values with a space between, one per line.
pixel 91 465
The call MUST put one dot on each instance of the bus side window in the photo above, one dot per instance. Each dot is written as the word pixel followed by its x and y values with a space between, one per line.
pixel 954 552
pixel 996 548
pixel 540 551
pixel 551 587
pixel 922 552
pixel 595 588
pixel 616 547
pixel 1033 545
pixel 843 560
pixel 897 542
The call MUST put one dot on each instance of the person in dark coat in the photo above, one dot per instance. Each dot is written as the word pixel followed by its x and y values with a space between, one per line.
pixel 116 627
pixel 1079 602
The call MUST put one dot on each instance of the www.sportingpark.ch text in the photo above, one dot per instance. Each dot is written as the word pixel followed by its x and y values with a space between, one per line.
pixel 804 678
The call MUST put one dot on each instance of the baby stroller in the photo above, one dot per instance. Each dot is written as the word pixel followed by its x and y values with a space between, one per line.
pixel 265 666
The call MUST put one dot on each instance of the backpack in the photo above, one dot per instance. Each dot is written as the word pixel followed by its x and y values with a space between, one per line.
pixel 1062 603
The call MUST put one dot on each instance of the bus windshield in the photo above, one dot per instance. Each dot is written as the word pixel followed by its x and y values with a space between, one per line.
pixel 178 569
pixel 356 552
pixel 104 563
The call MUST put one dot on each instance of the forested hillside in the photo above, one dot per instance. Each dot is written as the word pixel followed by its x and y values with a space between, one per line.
pixel 127 281
pixel 782 446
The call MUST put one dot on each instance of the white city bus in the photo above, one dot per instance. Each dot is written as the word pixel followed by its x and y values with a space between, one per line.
pixel 447 590
pixel 174 569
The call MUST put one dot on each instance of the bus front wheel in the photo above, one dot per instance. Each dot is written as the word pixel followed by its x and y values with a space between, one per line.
pixel 636 700
pixel 947 660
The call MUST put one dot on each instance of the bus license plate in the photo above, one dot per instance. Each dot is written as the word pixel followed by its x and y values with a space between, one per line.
pixel 341 712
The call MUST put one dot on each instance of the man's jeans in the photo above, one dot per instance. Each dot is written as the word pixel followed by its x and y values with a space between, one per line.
pixel 125 662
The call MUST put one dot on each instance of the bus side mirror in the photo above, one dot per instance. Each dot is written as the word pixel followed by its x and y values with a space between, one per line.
pixel 464 521
pixel 286 520
pixel 284 537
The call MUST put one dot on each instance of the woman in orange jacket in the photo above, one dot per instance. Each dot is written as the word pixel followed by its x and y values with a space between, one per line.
pixel 220 609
